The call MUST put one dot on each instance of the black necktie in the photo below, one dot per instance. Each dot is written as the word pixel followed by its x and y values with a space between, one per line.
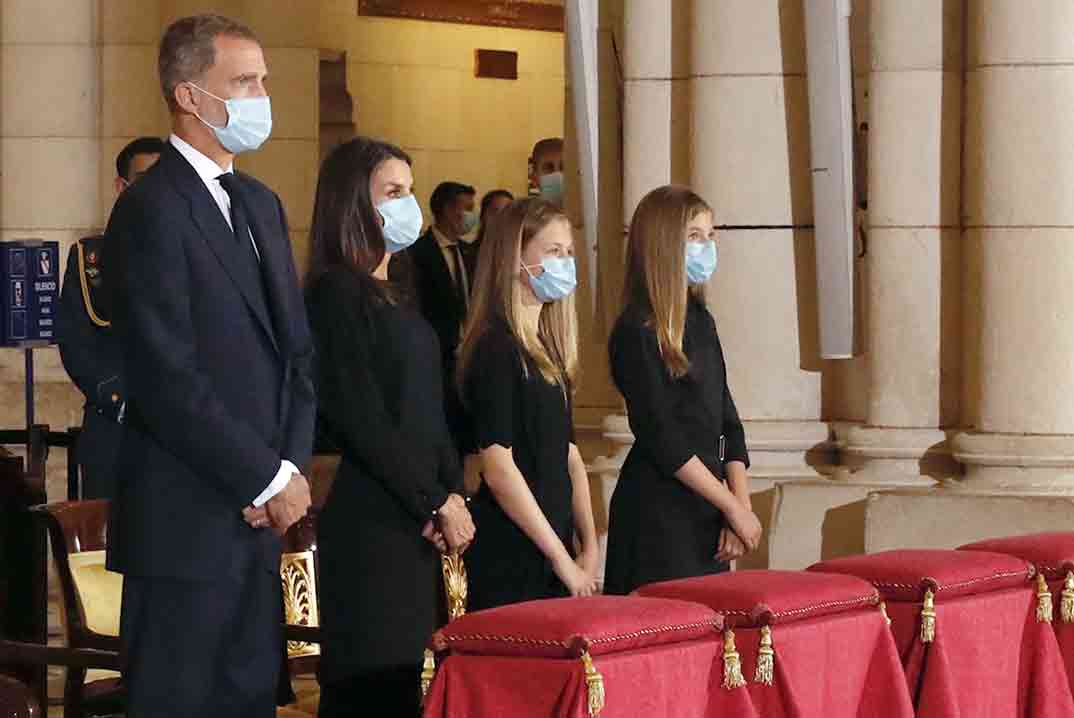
pixel 239 224
pixel 255 269
pixel 462 281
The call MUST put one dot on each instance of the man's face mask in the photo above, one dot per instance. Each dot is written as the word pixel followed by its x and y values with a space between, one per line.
pixel 249 122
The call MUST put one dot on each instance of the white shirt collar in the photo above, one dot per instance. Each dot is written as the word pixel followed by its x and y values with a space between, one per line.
pixel 205 167
pixel 442 239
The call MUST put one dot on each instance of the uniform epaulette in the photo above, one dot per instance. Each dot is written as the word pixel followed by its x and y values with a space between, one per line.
pixel 89 275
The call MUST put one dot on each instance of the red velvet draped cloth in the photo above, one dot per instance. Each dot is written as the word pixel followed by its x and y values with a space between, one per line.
pixel 843 666
pixel 990 657
pixel 1052 554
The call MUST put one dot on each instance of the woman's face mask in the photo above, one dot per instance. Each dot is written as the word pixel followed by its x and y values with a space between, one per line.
pixel 402 222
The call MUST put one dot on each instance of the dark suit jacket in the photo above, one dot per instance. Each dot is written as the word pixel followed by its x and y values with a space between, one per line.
pixel 93 359
pixel 218 374
pixel 441 306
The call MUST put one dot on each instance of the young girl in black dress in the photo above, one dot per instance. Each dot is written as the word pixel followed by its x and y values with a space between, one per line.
pixel 396 501
pixel 516 362
pixel 682 504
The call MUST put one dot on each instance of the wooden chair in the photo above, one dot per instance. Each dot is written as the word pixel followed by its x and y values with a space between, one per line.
pixel 298 574
pixel 16 700
pixel 78 533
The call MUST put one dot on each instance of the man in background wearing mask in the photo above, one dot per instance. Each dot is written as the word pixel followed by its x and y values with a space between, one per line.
pixel 546 170
pixel 220 402
pixel 443 265
pixel 88 347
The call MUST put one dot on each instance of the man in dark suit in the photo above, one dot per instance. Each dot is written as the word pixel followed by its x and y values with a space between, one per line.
pixel 88 347
pixel 220 402
pixel 443 265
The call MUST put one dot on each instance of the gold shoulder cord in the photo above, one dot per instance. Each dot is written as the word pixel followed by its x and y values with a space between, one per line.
pixel 85 289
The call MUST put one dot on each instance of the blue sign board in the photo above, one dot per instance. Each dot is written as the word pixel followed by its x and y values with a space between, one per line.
pixel 30 281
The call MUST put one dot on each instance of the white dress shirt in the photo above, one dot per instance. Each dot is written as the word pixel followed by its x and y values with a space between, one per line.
pixel 451 251
pixel 208 171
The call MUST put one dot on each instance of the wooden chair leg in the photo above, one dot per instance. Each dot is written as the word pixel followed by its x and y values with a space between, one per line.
pixel 73 690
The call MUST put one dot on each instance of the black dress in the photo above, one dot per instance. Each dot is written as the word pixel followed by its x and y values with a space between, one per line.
pixel 379 389
pixel 659 529
pixel 530 416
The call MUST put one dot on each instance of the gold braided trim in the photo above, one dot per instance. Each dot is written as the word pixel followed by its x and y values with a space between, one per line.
pixel 1055 573
pixel 85 289
pixel 593 641
pixel 870 600
pixel 1028 574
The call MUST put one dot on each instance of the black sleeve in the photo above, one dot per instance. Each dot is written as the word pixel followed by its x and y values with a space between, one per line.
pixel 302 407
pixel 733 432
pixel 172 396
pixel 450 470
pixel 92 366
pixel 644 381
pixel 491 387
pixel 350 401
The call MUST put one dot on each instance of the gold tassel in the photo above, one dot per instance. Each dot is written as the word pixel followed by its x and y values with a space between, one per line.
pixel 1044 600
pixel 594 684
pixel 428 672
pixel 766 658
pixel 884 613
pixel 732 663
pixel 928 618
pixel 1066 600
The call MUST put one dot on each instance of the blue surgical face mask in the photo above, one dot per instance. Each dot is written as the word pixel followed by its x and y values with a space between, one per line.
pixel 469 221
pixel 402 222
pixel 557 280
pixel 249 122
pixel 701 260
pixel 552 187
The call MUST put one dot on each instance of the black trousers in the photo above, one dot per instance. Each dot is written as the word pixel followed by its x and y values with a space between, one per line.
pixel 202 648
pixel 392 692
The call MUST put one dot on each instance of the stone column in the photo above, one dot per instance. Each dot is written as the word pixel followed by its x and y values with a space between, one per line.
pixel 912 246
pixel 49 171
pixel 49 155
pixel 647 83
pixel 131 102
pixel 1019 234
pixel 288 163
pixel 749 156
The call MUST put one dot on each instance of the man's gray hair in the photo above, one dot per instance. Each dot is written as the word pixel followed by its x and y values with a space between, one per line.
pixel 188 49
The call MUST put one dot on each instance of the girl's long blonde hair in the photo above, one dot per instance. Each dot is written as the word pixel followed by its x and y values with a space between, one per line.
pixel 497 296
pixel 656 268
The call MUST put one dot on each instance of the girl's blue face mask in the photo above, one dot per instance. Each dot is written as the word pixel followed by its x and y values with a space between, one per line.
pixel 557 280
pixel 701 260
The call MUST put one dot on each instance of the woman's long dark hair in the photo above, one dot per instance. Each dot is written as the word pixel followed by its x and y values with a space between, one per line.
pixel 486 203
pixel 346 230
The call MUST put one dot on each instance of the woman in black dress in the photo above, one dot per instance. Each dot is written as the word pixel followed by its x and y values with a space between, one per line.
pixel 396 501
pixel 517 358
pixel 672 515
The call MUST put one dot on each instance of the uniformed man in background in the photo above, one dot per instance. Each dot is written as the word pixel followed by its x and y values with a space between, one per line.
pixel 88 348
